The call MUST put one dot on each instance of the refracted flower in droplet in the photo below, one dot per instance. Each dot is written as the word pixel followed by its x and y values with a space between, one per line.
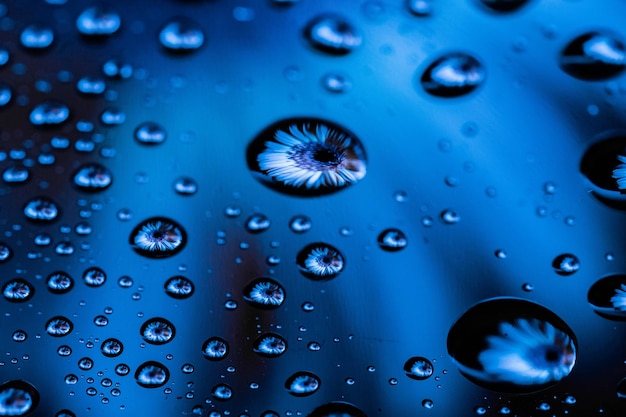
pixel 158 238
pixel 619 173
pixel 619 299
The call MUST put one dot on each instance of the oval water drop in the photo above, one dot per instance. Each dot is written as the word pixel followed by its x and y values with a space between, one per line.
pixel 453 75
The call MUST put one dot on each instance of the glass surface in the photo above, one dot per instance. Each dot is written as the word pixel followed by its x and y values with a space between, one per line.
pixel 317 208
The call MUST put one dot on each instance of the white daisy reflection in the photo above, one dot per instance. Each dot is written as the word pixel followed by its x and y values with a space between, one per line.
pixel 619 173
pixel 619 299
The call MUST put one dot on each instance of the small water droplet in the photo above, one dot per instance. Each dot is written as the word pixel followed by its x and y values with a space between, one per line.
pixel 93 177
pixel 185 186
pixel 418 368
pixel 320 261
pixel 392 240
pixel 257 223
pixel 50 112
pixel 302 384
pixel 158 237
pixel 181 35
pixel 157 331
pixel 270 345
pixel 336 83
pixel 300 224
pixel 450 216
pixel 332 34
pixel 151 375
pixel 215 349
pixel 264 293
pixel 98 21
pixel 453 75
pixel 150 133
pixel 566 264
pixel 37 37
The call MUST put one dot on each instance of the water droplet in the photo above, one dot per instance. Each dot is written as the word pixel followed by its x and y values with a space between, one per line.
pixel 306 157
pixel 19 336
pixel 100 321
pixel 215 349
pixel 179 287
pixel 428 404
pixel 607 297
pixel 594 56
pixel 480 411
pixel 393 381
pixel 450 216
pixel 392 240
pixel 64 248
pixel 604 167
pixel 336 83
pixel 17 174
pixel 157 331
pixel 125 282
pixel 181 35
pixel 151 375
pixel 566 264
pixel 300 224
pixel 64 351
pixel 270 345
pixel 18 290
pixel 418 368
pixel 59 326
pixel 5 94
pixel 302 384
pixel 91 85
pixel 420 7
pixel 503 5
pixel 257 223
pixel 512 345
pixel 98 21
pixel 93 177
pixel 158 237
pixel 264 293
pixel 222 392
pixel 71 379
pixel 65 413
pixel 49 113
pixel 5 252
pixel 337 409
pixel 122 369
pixel 37 37
pixel 500 254
pixel 85 363
pixel 112 116
pixel 17 398
pixel 94 277
pixel 453 75
pixel 307 307
pixel 150 133
pixel 111 348
pixel 332 34
pixel 185 186
pixel 320 261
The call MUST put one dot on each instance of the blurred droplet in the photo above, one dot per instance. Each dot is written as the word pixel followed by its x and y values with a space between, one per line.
pixel 332 34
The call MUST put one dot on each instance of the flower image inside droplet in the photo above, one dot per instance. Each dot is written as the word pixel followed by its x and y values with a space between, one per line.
pixel 151 375
pixel 215 349
pixel 264 293
pixel 157 331
pixel 320 261
pixel 158 237
pixel 607 297
pixel 17 398
pixel 307 157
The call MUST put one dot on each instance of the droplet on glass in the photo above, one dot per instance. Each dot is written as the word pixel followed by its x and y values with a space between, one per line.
pixel 418 368
pixel 18 398
pixel 185 186
pixel 151 375
pixel 91 85
pixel 512 345
pixel 18 290
pixel 607 297
pixel 336 83
pixel 566 264
pixel 98 21
pixel 111 348
pixel 179 287
pixel 420 8
pixel 257 223
pixel 306 157
pixel 302 384
pixel 37 37
pixel 93 177
pixel 449 216
pixel 453 75
pixel 59 326
pixel 5 252
pixel 94 277
pixel 264 293
pixel 604 168
pixel 181 35
pixel 332 34
pixel 215 348
pixel 300 224
pixel 504 5
pixel 150 133
pixel 594 56
pixel 270 345
pixel 158 237
pixel 157 331
pixel 392 240
pixel 320 261
pixel 19 336
pixel 49 113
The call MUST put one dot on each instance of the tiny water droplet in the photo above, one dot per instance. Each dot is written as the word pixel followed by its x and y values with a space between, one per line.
pixel 332 34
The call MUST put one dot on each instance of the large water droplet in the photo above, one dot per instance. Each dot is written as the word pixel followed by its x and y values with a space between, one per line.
pixel 270 345
pixel 264 293
pixel 566 264
pixel 181 35
pixel 150 133
pixel 94 277
pixel 594 56
pixel 215 348
pixel 512 345
pixel 607 297
pixel 179 287
pixel 17 398
pixel 18 290
pixel 41 209
pixel 418 368
pixel 98 21
pixel 453 75
pixel 604 167
pixel 392 240
pixel 59 326
pixel 151 374
pixel 320 261
pixel 302 384
pixel 37 37
pixel 50 112
pixel 222 392
pixel 306 157
pixel 158 237
pixel 93 177
pixel 157 331
pixel 337 409
pixel 332 34
pixel 17 174
pixel 111 348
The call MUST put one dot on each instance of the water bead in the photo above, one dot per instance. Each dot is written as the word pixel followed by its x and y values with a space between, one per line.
pixel 453 75
pixel 18 398
pixel 41 210
pixel 418 368
pixel 18 290
pixel 332 34
pixel 302 384
pixel 264 293
pixel 150 133
pixel 270 345
pixel 151 375
pixel 98 21
pixel 93 177
pixel 320 261
pixel 49 113
pixel 181 35
pixel 594 56
pixel 157 331
pixel 215 349
pixel 179 287
pixel 158 237
pixel 392 240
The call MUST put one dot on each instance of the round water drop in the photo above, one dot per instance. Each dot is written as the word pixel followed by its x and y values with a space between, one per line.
pixel 392 240
pixel 17 398
pixel 18 290
pixel 453 75
pixel 300 224
pixel 112 116
pixel 150 133
pixel 122 369
pixel 420 7
pixel 157 331
pixel 336 83
pixel 222 392
pixel 19 336
pixel 94 277
pixel 264 293
pixel 306 157
pixel 450 216
pixel 64 350
pixel 125 281
pixel 93 177
pixel 59 326
pixel 504 5
pixel 257 223
pixel 5 252
pixel 418 368
pixel 270 345
pixel 91 85
pixel 85 363
pixel 215 348
pixel 428 404
pixel 185 186
pixel 181 35
pixel 5 94
pixel 512 345
pixel 37 37
pixel 111 348
pixel 320 261
pixel 50 112
pixel 158 237
pixel 607 297
pixel 566 264
pixel 179 287
pixel 151 375
pixel 302 384
pixel 16 175
pixel 337 409
pixel 98 21
pixel 332 34
pixel 594 56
